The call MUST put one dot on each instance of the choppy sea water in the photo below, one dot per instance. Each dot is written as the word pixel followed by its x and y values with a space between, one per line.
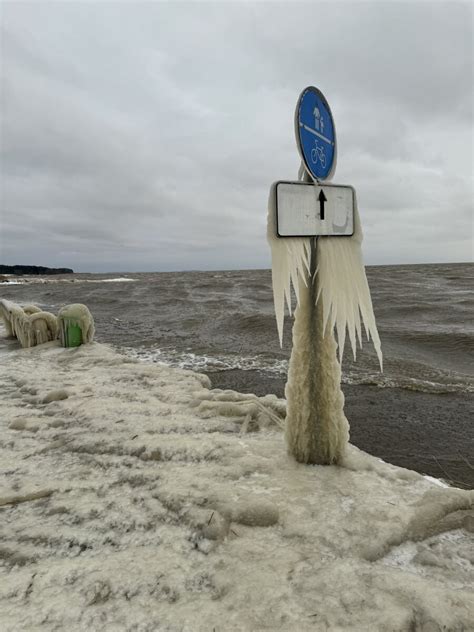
pixel 217 321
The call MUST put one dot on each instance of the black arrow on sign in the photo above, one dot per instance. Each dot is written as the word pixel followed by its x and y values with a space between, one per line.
pixel 322 198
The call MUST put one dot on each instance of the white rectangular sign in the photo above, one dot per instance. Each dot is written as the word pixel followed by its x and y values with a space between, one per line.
pixel 310 210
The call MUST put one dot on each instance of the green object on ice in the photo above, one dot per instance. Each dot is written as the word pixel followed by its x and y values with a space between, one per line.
pixel 73 337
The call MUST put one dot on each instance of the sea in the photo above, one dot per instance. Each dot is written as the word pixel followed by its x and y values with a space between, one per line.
pixel 220 321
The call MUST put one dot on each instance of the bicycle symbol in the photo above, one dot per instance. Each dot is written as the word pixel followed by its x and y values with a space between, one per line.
pixel 317 153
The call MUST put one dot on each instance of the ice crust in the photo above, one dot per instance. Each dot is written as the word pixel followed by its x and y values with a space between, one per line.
pixel 133 497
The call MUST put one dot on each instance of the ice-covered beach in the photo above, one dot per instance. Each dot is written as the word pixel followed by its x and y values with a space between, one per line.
pixel 135 498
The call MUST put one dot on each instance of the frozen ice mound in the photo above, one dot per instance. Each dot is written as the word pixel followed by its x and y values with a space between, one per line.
pixel 78 315
pixel 28 324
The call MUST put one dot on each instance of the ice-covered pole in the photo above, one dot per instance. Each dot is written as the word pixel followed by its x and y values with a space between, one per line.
pixel 316 428
pixel 329 281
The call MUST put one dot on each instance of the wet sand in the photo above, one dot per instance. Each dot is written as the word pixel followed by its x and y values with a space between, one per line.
pixel 392 424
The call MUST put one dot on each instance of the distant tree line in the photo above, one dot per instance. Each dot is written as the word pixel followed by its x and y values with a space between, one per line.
pixel 33 270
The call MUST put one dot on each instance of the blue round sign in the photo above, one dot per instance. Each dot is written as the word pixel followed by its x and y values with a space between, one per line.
pixel 315 134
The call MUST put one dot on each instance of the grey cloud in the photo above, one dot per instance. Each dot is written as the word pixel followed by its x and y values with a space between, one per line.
pixel 146 135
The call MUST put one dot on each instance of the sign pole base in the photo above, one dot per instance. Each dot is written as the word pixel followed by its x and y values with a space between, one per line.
pixel 317 430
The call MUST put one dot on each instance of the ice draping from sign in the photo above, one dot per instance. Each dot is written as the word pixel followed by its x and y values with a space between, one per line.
pixel 344 291
pixel 290 265
pixel 342 282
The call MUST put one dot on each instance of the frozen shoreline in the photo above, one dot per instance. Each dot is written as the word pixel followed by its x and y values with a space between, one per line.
pixel 411 429
pixel 134 498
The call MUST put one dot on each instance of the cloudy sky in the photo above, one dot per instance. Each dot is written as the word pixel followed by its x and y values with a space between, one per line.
pixel 145 136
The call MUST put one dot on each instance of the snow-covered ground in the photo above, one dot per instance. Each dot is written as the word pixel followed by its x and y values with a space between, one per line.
pixel 134 498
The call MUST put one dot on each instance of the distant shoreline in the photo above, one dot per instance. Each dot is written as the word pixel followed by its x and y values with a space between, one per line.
pixel 21 270
pixel 44 270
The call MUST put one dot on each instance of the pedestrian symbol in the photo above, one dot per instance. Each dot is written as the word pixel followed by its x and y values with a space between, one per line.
pixel 318 120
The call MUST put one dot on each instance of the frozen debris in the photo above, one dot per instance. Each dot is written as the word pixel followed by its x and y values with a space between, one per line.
pixel 7 314
pixel 31 309
pixel 78 315
pixel 14 499
pixel 250 411
pixel 256 513
pixel 29 325
pixel 55 396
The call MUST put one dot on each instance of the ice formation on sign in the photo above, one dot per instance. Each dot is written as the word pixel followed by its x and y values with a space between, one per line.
pixel 79 315
pixel 340 274
pixel 291 259
pixel 344 291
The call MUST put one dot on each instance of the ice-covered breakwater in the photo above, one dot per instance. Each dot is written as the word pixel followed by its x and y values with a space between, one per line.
pixel 133 497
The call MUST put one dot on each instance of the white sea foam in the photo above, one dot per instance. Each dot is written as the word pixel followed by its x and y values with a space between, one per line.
pixel 203 362
pixel 117 280
pixel 43 280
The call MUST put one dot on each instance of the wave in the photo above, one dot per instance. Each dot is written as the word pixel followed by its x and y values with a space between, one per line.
pixel 408 384
pixel 117 280
pixel 441 340
pixel 279 368
pixel 42 281
pixel 253 322
pixel 204 362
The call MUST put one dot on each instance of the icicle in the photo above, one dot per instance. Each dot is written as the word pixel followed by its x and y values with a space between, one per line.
pixel 342 283
pixel 344 290
pixel 290 265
